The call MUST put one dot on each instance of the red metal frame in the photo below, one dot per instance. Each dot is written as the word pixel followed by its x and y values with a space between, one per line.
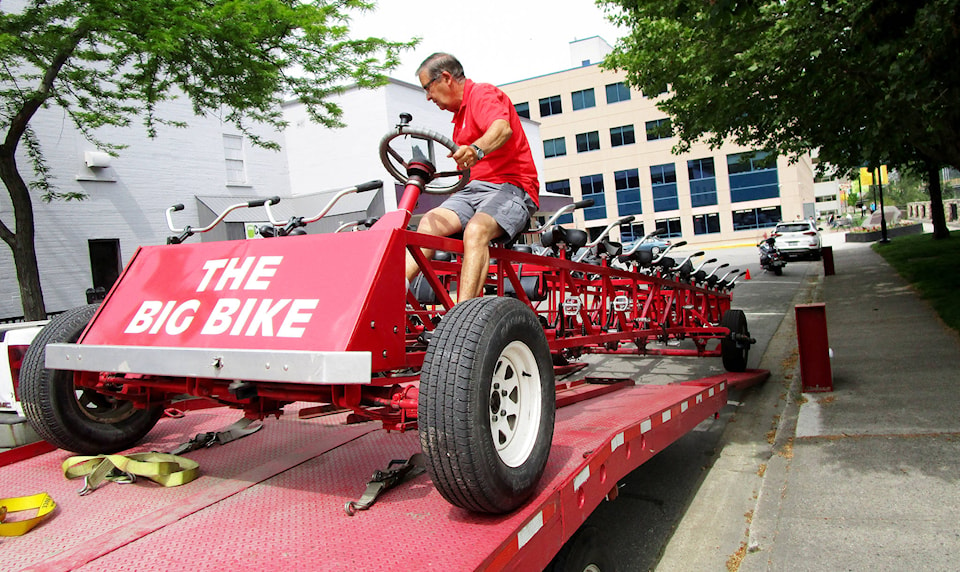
pixel 343 292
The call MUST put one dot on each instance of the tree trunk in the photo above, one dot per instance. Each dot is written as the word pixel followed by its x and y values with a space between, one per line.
pixel 21 239
pixel 28 276
pixel 937 215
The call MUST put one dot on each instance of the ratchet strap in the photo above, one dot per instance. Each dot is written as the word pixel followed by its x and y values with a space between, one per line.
pixel 383 480
pixel 163 468
pixel 43 504
pixel 236 430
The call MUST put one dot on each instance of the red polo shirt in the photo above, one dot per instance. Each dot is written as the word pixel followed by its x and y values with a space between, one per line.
pixel 513 162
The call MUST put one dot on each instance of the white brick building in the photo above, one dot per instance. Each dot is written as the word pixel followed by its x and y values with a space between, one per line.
pixel 80 244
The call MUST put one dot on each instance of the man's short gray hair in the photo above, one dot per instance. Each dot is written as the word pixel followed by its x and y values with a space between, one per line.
pixel 440 62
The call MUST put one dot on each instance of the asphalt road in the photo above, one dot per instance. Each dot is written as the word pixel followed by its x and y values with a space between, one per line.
pixel 637 526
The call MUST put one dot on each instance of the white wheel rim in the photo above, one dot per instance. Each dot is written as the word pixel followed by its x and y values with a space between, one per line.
pixel 515 404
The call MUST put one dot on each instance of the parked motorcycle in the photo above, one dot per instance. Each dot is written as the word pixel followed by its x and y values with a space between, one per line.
pixel 770 257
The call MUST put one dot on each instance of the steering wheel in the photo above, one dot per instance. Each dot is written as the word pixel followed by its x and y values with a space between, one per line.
pixel 397 166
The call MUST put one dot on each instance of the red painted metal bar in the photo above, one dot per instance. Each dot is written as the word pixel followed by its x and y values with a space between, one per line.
pixel 24 452
pixel 687 306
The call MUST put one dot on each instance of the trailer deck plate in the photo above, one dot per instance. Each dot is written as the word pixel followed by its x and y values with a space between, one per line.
pixel 274 500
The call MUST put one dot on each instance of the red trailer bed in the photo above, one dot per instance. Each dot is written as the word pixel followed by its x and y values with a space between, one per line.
pixel 275 499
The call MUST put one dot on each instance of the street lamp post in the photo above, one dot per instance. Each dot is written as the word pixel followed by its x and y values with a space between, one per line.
pixel 883 214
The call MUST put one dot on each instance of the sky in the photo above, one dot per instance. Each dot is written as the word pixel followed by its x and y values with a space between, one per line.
pixel 497 41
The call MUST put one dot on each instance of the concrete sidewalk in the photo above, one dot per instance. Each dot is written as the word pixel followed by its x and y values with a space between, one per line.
pixel 863 478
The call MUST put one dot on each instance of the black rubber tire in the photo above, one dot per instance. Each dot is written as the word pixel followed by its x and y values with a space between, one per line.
pixel 734 353
pixel 84 421
pixel 778 270
pixel 584 552
pixel 477 341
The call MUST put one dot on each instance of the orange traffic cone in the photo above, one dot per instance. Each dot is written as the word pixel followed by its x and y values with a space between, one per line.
pixel 747 277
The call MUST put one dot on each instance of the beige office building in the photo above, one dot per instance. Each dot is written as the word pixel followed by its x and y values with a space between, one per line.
pixel 606 141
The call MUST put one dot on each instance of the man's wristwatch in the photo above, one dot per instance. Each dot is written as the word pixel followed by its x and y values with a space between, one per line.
pixel 479 151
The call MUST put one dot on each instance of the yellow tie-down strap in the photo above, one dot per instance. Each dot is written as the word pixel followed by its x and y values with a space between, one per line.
pixel 163 468
pixel 42 502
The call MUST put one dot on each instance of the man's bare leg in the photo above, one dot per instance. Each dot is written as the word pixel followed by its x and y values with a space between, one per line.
pixel 481 229
pixel 438 222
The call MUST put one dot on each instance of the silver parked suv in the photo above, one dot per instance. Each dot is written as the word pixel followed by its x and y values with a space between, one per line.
pixel 798 239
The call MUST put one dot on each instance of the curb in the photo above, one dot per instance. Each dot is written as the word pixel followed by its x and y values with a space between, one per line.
pixel 762 529
pixel 748 468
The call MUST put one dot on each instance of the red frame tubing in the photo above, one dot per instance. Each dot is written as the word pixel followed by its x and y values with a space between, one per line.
pixel 585 308
pixel 668 308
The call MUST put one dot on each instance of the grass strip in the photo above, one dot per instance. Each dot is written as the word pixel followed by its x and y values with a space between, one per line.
pixel 932 267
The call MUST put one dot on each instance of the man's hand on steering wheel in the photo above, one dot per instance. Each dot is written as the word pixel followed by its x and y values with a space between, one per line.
pixel 466 156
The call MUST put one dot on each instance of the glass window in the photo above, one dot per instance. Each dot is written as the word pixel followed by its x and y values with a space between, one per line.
pixel 627 184
pixel 750 219
pixel 664 182
pixel 523 109
pixel 554 147
pixel 703 182
pixel 753 176
pixel 583 99
pixel 657 91
pixel 588 141
pixel 670 226
pixel 622 136
pixel 233 153
pixel 550 106
pixel 659 129
pixel 750 161
pixel 617 92
pixel 706 223
pixel 631 232
pixel 591 187
pixel 560 188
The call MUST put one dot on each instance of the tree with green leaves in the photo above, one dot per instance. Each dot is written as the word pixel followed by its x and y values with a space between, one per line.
pixel 865 82
pixel 112 62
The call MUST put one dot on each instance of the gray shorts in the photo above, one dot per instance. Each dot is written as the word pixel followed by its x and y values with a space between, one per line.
pixel 508 204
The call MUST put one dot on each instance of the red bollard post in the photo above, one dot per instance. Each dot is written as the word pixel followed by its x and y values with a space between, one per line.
pixel 815 372
pixel 826 253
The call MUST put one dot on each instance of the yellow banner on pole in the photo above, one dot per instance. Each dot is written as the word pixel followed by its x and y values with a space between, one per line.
pixel 866 176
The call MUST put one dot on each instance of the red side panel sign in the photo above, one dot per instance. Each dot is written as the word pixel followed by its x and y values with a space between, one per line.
pixel 293 293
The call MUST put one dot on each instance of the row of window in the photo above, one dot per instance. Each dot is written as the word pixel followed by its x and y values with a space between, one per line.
pixel 619 136
pixel 709 223
pixel 759 182
pixel 583 99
